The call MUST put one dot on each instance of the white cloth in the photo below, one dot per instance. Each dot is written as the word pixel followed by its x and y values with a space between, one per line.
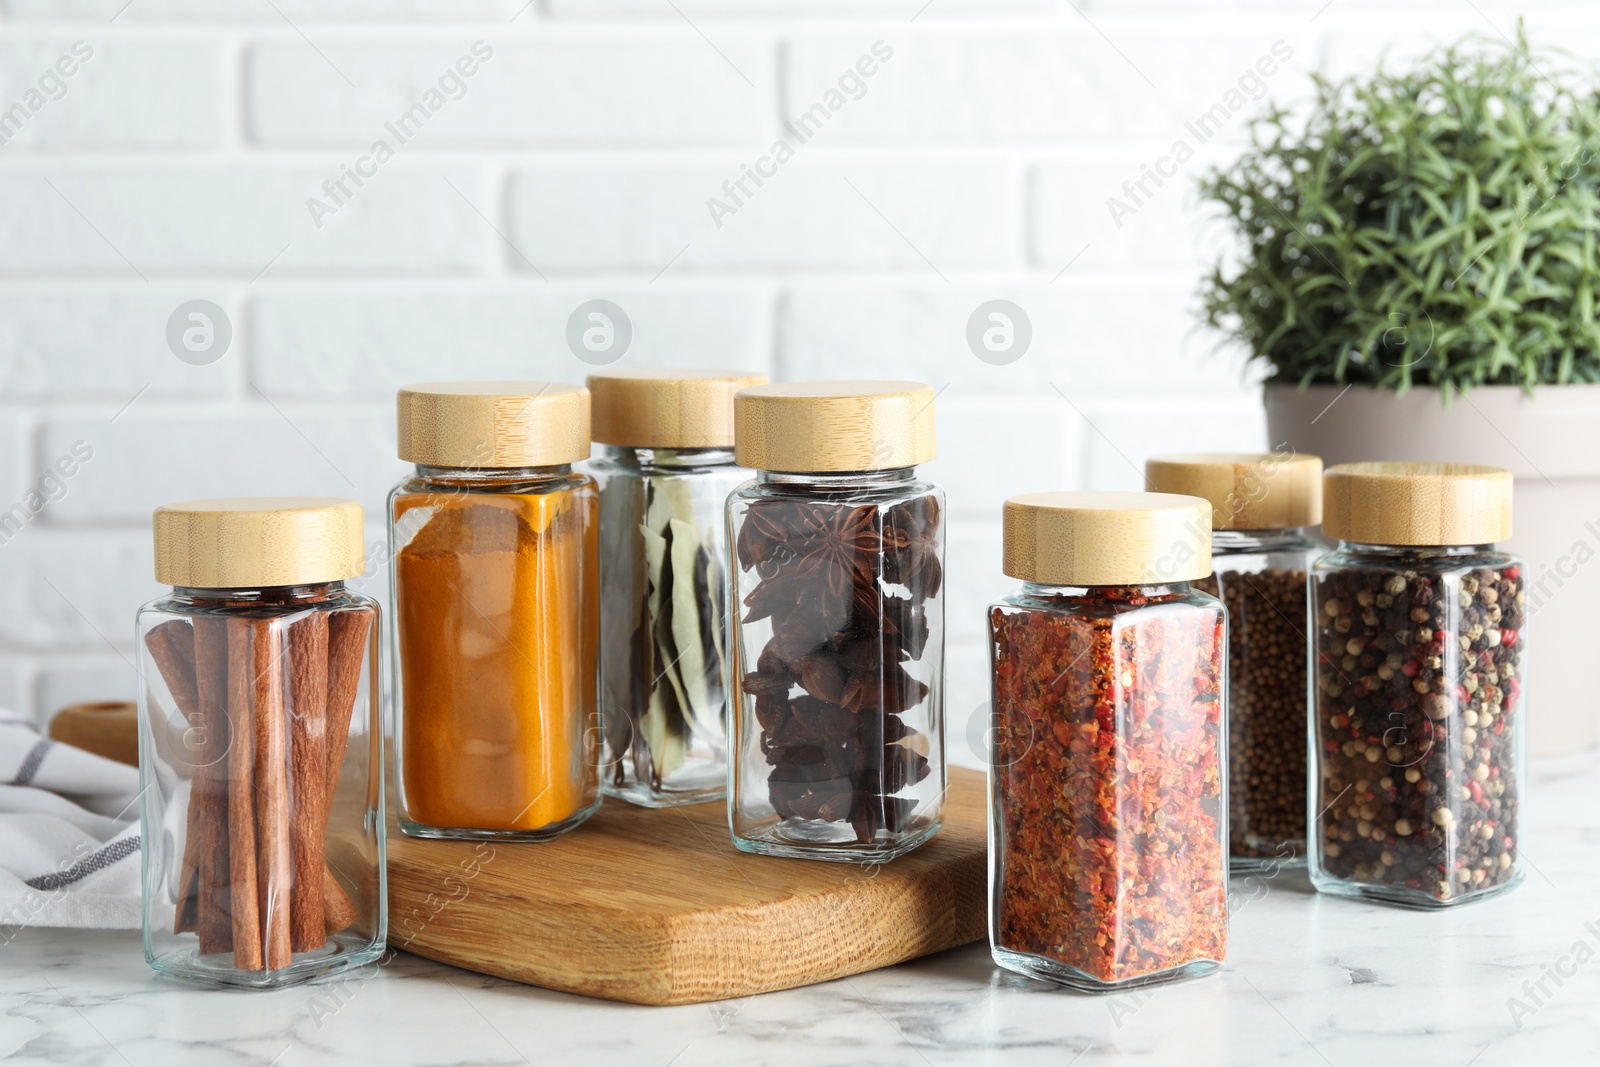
pixel 69 833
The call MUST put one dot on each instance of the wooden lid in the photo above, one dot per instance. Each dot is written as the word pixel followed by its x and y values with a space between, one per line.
pixel 1417 503
pixel 257 542
pixel 1247 490
pixel 493 425
pixel 666 408
pixel 1107 538
pixel 834 426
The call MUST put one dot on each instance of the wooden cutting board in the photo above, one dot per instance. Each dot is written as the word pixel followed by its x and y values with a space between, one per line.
pixel 658 907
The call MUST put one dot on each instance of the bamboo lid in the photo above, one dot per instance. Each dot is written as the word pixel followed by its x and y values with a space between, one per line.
pixel 257 542
pixel 666 408
pixel 1417 503
pixel 493 425
pixel 1107 538
pixel 834 426
pixel 1247 490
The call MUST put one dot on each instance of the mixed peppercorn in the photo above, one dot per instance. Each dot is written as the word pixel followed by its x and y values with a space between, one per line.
pixel 1418 690
pixel 1107 782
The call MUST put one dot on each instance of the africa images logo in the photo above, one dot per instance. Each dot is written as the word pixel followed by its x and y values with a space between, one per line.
pixel 1210 122
pixel 452 85
pixel 853 81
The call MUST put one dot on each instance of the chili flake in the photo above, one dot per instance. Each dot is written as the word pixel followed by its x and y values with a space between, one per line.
pixel 1107 779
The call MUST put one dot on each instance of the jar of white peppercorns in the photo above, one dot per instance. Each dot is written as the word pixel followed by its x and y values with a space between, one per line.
pixel 1262 508
pixel 1418 682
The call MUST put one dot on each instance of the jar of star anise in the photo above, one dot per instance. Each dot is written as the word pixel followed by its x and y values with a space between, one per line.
pixel 838 642
pixel 1262 506
pixel 1418 627
pixel 1108 854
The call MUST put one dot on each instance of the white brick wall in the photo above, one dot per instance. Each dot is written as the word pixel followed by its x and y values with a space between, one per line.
pixel 576 161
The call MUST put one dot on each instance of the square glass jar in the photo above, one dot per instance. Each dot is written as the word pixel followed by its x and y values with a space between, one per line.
pixel 495 588
pixel 261 749
pixel 1418 687
pixel 838 561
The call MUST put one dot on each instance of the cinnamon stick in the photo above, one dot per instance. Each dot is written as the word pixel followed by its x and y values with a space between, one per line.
pixel 263 778
pixel 171 646
pixel 308 696
pixel 340 910
pixel 208 823
pixel 347 646
pixel 246 917
pixel 274 863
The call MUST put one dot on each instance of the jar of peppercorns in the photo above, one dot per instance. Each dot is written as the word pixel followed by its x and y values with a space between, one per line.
pixel 1261 551
pixel 1108 782
pixel 837 733
pixel 1417 625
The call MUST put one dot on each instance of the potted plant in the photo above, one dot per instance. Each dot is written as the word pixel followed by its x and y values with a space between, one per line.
pixel 1417 270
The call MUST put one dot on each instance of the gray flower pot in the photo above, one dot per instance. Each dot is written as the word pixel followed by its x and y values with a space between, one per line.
pixel 1551 444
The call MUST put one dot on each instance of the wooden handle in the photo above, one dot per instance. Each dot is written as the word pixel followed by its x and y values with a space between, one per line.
pixel 108 728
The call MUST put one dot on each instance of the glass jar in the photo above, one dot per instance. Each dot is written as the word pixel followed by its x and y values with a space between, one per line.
pixel 1107 841
pixel 261 751
pixel 1261 554
pixel 665 470
pixel 1419 631
pixel 838 736
pixel 493 547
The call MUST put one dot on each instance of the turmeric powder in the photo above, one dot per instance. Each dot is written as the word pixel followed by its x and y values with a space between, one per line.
pixel 496 612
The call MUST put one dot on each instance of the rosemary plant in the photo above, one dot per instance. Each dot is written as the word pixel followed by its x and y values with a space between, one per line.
pixel 1435 225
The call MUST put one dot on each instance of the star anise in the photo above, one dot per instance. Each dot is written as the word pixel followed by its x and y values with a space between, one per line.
pixel 769 527
pixel 820 570
pixel 769 597
pixel 840 546
pixel 891 692
pixel 911 547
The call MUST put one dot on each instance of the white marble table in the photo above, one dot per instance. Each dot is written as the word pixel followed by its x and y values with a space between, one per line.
pixel 1308 980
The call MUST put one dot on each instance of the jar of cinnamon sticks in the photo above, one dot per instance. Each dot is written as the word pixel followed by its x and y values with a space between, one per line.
pixel 496 593
pixel 837 734
pixel 260 744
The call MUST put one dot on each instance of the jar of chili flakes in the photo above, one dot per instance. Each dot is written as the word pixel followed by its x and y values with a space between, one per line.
pixel 837 737
pixel 1418 626
pixel 1261 550
pixel 1108 857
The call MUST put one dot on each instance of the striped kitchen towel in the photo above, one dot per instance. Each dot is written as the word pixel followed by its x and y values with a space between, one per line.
pixel 69 833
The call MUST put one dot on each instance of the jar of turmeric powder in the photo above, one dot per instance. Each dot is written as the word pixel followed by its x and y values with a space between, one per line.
pixel 665 469
pixel 493 545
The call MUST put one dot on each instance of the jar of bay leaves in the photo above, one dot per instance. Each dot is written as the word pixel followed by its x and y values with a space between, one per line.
pixel 665 468
pixel 838 735
pixel 1262 508
pixel 1419 627
pixel 493 543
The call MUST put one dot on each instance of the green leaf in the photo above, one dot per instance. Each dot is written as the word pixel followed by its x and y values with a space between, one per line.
pixel 1462 191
